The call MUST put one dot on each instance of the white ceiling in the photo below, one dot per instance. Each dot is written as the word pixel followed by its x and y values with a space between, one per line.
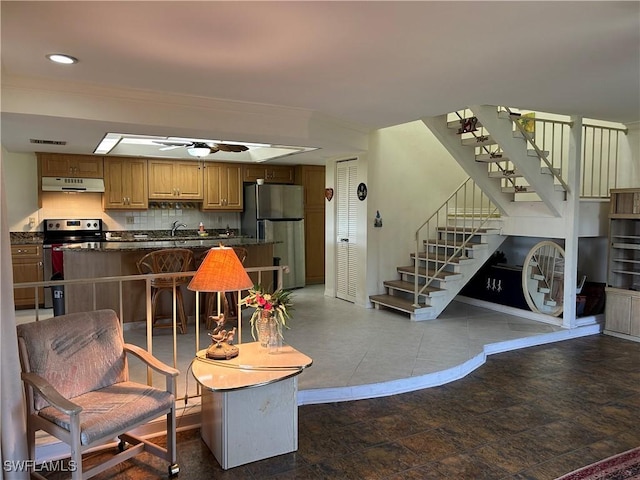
pixel 318 74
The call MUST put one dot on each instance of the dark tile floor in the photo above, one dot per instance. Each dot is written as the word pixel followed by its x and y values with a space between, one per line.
pixel 535 413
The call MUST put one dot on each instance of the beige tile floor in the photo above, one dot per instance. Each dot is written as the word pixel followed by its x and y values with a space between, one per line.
pixel 365 353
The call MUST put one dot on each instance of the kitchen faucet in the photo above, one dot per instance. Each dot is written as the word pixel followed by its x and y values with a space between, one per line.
pixel 176 226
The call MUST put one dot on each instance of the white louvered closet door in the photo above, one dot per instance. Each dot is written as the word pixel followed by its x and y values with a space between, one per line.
pixel 346 198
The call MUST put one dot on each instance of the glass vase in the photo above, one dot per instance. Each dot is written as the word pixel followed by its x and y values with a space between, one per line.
pixel 275 336
pixel 264 328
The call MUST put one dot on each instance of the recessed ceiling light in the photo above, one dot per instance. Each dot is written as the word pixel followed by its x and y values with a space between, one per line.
pixel 62 58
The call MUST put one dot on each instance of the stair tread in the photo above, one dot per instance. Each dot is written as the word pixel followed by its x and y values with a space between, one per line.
pixel 505 174
pixel 479 231
pixel 398 303
pixel 429 273
pixel 488 158
pixel 479 141
pixel 439 258
pixel 439 243
pixel 408 287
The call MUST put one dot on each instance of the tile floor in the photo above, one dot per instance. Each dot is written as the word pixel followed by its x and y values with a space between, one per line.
pixel 532 413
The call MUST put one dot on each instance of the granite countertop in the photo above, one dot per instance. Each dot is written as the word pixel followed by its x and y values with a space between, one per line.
pixel 25 238
pixel 155 244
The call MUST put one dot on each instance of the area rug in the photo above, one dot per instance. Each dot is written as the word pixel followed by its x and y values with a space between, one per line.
pixel 624 466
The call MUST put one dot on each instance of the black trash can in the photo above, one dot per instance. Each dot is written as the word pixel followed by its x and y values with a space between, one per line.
pixel 57 295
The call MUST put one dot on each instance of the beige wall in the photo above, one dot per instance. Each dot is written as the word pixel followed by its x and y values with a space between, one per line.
pixel 22 203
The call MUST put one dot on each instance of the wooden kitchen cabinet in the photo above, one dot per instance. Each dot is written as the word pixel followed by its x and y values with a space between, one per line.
pixel 312 177
pixel 64 165
pixel 622 312
pixel 27 267
pixel 223 187
pixel 270 173
pixel 175 179
pixel 125 184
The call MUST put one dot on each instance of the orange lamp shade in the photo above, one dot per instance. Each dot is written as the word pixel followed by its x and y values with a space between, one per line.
pixel 221 271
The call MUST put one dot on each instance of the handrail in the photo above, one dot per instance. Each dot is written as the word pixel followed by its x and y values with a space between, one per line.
pixel 121 280
pixel 599 156
pixel 467 194
pixel 539 152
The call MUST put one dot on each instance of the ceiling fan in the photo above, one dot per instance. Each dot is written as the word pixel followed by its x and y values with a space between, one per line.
pixel 202 149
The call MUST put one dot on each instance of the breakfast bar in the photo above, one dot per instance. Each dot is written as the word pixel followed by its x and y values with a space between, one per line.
pixel 249 403
pixel 119 258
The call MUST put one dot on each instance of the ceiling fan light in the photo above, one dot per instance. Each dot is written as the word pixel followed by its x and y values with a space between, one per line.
pixel 199 151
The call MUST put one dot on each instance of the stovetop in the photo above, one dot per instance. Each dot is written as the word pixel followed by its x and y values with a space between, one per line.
pixel 62 230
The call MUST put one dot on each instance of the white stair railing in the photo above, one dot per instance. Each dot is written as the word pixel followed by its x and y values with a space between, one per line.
pixel 470 209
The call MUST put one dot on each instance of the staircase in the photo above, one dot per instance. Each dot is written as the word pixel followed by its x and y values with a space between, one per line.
pixel 495 149
pixel 451 246
pixel 498 151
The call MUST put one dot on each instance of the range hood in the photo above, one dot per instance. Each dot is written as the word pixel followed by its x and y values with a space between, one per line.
pixel 62 184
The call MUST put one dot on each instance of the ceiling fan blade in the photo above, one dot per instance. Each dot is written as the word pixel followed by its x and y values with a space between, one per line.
pixel 171 147
pixel 173 144
pixel 227 147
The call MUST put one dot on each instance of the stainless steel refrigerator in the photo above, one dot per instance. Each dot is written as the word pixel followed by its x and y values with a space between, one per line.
pixel 275 213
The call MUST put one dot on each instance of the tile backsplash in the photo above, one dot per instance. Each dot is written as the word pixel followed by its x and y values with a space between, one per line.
pixel 89 205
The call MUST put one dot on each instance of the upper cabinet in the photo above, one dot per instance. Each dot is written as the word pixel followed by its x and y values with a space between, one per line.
pixel 222 187
pixel 175 179
pixel 125 184
pixel 270 173
pixel 79 166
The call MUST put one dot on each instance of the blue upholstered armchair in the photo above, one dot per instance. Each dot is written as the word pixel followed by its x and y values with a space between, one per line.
pixel 77 387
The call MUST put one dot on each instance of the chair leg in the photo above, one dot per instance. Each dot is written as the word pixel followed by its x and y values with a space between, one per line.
pixel 171 443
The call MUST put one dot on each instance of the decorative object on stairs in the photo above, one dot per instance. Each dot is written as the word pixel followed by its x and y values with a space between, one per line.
pixel 624 466
pixel 528 122
pixel 270 316
pixel 221 271
pixel 468 125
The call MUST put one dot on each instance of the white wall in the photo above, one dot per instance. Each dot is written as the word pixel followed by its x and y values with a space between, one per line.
pixel 408 175
pixel 21 184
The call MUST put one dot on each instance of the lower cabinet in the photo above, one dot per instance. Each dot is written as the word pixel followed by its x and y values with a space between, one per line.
pixel 622 312
pixel 27 267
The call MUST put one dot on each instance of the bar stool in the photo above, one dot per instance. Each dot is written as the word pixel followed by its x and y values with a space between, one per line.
pixel 169 260
pixel 229 299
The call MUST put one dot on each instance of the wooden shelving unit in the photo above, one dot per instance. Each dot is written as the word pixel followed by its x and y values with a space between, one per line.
pixel 623 282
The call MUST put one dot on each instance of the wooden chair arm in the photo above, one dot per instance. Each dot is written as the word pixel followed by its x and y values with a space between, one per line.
pixel 50 394
pixel 152 361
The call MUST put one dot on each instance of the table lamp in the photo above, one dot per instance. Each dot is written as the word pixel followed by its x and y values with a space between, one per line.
pixel 221 271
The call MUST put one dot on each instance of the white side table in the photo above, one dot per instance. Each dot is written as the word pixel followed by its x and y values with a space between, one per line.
pixel 250 403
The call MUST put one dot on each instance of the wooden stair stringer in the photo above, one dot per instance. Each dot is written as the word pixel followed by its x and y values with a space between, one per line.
pixel 465 156
pixel 516 149
pixel 440 293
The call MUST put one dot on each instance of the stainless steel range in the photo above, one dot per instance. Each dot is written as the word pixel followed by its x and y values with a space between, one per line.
pixel 63 231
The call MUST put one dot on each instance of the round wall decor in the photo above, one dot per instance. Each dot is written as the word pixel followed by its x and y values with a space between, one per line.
pixel 362 191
